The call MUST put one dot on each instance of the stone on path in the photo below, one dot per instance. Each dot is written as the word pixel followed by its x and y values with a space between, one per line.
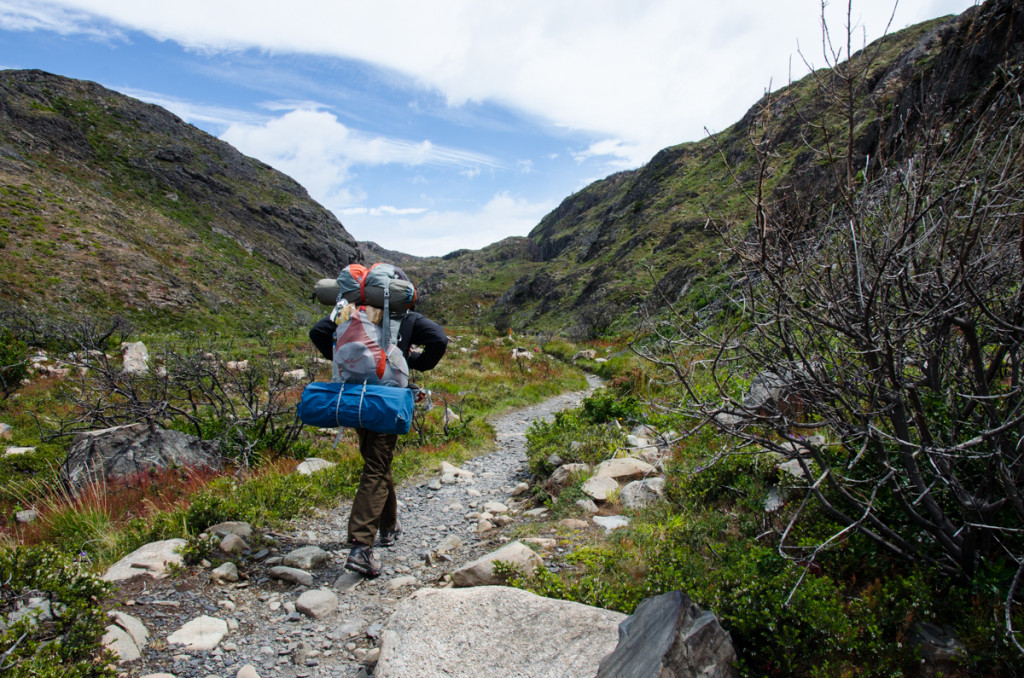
pixel 291 574
pixel 494 631
pixel 161 675
pixel 401 582
pixel 227 572
pixel 495 507
pixel 670 636
pixel 306 557
pixel 312 465
pixel 600 487
pixel 247 671
pixel 480 572
pixel 348 581
pixel 151 559
pixel 317 604
pixel 202 633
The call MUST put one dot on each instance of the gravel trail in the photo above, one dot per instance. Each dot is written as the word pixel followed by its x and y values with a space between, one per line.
pixel 266 630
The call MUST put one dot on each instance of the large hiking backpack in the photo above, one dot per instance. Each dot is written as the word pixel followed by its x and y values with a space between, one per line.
pixel 365 345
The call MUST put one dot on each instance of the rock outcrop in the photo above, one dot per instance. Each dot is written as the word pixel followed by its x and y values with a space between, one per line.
pixel 494 631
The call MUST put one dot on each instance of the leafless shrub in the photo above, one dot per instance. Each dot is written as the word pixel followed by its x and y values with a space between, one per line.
pixel 892 319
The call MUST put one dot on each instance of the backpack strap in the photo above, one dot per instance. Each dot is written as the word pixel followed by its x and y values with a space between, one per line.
pixel 405 332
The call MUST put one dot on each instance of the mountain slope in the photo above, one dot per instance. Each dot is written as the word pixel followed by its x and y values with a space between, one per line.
pixel 108 202
pixel 648 237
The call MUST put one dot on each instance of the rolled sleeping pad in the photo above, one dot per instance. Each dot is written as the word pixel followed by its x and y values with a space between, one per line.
pixel 403 294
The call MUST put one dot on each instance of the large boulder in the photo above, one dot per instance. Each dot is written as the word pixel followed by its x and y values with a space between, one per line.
pixel 494 631
pixel 124 451
pixel 669 636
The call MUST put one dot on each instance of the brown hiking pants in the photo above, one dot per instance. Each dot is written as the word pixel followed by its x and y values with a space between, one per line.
pixel 375 505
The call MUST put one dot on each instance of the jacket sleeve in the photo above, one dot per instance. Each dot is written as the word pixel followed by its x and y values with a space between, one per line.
pixel 322 336
pixel 431 337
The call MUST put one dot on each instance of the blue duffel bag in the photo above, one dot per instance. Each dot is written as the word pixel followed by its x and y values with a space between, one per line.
pixel 384 409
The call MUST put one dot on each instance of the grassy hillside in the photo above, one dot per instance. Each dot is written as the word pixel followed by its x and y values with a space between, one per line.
pixel 107 203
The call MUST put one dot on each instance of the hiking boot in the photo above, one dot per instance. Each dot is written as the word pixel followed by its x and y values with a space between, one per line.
pixel 389 536
pixel 361 559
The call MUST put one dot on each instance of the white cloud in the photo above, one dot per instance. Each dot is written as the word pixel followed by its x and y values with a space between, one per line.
pixel 22 15
pixel 318 151
pixel 651 73
pixel 433 233
pixel 192 112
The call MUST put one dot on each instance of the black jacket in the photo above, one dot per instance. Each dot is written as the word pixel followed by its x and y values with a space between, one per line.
pixel 416 330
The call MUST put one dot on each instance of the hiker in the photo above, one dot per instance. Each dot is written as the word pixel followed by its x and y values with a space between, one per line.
pixel 374 516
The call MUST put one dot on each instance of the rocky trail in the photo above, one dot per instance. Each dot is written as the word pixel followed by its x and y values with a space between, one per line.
pixel 295 610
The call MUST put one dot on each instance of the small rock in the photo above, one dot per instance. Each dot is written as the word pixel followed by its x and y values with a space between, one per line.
pixel 574 523
pixel 201 634
pixel 291 574
pixel 15 451
pixel 242 529
pixel 313 464
pixel 247 671
pixel 232 544
pixel 307 557
pixel 400 582
pixel 226 572
pixel 587 505
pixel 520 489
pixel 495 507
pixel 610 523
pixel 600 487
pixel 317 604
pixel 5 431
pixel 26 516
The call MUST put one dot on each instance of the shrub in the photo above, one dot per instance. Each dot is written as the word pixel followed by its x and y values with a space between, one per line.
pixel 66 642
pixel 13 362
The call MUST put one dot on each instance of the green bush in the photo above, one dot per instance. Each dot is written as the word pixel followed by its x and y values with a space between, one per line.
pixel 66 643
pixel 573 437
pixel 13 362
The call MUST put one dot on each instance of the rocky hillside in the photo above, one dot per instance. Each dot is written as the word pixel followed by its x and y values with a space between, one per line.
pixel 108 202
pixel 646 238
pixel 112 203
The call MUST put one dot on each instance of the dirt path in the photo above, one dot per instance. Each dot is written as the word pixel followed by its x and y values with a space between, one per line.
pixel 275 639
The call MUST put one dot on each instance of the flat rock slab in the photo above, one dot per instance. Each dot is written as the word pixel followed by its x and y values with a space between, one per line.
pixel 201 634
pixel 494 631
pixel 151 559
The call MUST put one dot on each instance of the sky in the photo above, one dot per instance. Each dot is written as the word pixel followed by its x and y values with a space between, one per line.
pixel 428 127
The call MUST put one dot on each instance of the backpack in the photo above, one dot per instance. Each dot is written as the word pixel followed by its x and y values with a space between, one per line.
pixel 366 339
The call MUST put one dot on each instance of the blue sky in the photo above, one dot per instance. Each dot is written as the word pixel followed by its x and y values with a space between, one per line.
pixel 432 126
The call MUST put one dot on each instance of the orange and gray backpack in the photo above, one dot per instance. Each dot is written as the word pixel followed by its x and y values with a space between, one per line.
pixel 369 308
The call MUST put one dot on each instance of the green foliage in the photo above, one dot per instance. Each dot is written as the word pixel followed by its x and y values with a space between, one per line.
pixel 66 642
pixel 573 437
pixel 13 362
pixel 604 406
